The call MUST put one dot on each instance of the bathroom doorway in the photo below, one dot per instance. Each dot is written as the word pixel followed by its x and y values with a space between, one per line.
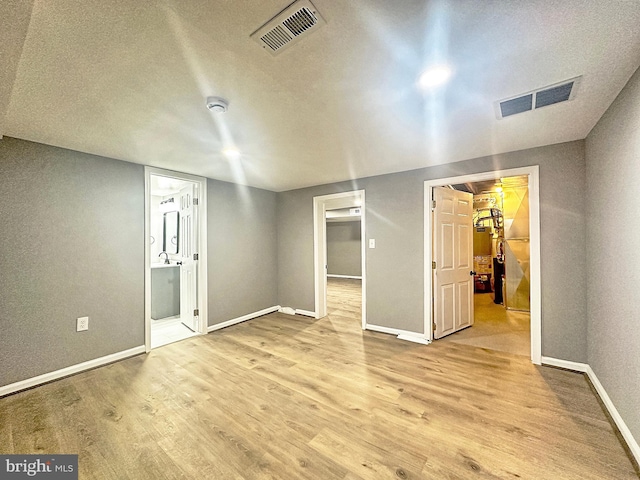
pixel 175 273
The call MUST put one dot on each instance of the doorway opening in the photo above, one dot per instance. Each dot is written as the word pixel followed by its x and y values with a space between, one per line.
pixel 498 282
pixel 339 254
pixel 344 261
pixel 175 257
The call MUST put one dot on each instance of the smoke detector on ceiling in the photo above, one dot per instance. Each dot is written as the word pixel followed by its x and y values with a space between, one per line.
pixel 288 27
pixel 217 104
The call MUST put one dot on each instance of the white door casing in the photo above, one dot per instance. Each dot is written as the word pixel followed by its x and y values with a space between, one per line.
pixel 533 173
pixel 453 256
pixel 188 242
pixel 200 231
pixel 321 204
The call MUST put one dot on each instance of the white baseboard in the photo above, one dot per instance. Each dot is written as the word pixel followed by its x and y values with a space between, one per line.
pixel 65 372
pixel 415 339
pixel 244 318
pixel 297 311
pixel 355 277
pixel 555 362
pixel 604 396
pixel 613 411
pixel 392 331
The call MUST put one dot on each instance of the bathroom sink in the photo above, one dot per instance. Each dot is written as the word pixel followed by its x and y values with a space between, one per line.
pixel 163 265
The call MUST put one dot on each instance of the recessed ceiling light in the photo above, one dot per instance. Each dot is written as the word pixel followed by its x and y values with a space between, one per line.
pixel 434 76
pixel 232 153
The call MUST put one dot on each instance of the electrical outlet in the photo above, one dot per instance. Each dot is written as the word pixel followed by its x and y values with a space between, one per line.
pixel 82 324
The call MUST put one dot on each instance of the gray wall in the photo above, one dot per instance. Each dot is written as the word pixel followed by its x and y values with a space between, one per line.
pixel 72 241
pixel 395 268
pixel 344 249
pixel 613 252
pixel 242 250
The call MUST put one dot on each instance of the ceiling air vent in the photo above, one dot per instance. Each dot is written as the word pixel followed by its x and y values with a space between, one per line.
pixel 542 97
pixel 516 105
pixel 288 27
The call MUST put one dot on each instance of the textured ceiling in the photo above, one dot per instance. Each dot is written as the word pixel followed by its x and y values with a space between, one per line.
pixel 128 80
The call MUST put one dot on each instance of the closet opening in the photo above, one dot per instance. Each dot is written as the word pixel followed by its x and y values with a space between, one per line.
pixel 482 247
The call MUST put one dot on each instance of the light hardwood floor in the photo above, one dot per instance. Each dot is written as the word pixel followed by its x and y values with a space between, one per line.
pixel 292 397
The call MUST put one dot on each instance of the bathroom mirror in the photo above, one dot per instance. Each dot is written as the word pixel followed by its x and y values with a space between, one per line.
pixel 171 232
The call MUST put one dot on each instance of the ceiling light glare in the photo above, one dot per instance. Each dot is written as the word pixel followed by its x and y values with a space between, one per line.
pixel 232 153
pixel 434 76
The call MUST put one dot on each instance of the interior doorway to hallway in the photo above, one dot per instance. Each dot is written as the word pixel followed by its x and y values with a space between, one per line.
pixel 521 292
pixel 344 261
pixel 175 256
pixel 330 209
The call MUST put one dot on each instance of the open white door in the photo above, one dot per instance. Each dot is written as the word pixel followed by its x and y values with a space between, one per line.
pixel 453 254
pixel 188 242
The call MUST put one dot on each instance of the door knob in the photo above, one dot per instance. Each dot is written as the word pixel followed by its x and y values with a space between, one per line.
pixel 472 273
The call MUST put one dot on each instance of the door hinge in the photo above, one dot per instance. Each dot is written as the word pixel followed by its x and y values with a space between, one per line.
pixel 196 313
pixel 434 326
pixel 196 256
pixel 195 201
pixel 433 204
pixel 433 265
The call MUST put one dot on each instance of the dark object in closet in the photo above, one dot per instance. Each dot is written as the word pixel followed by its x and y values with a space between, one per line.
pixel 498 272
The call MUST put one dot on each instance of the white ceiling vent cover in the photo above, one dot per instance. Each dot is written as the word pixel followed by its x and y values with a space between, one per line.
pixel 288 27
pixel 542 97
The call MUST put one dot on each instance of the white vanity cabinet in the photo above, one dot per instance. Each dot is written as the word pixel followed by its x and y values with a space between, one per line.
pixel 165 291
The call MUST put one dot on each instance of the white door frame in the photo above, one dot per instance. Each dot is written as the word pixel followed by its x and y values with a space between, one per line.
pixel 201 183
pixel 534 238
pixel 320 206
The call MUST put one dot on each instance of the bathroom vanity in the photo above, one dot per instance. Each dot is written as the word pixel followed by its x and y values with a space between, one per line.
pixel 165 291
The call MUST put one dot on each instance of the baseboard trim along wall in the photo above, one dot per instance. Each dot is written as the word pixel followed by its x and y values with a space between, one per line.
pixel 604 396
pixel 415 338
pixel 297 311
pixel 394 331
pixel 73 369
pixel 355 277
pixel 613 411
pixel 244 318
pixel 555 362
